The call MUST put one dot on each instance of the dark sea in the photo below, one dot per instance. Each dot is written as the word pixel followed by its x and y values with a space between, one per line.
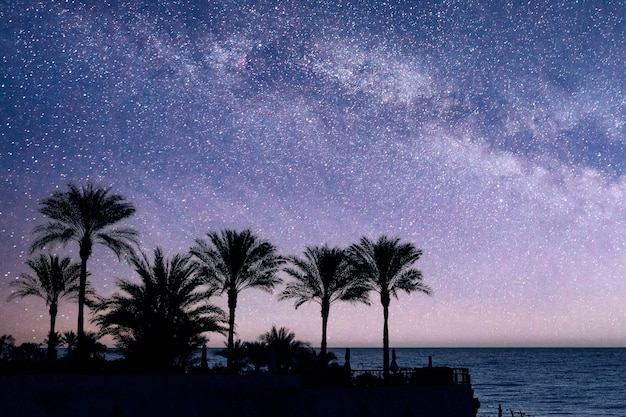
pixel 581 382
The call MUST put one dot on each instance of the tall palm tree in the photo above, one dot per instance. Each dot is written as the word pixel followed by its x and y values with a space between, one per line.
pixel 387 265
pixel 86 215
pixel 234 261
pixel 160 321
pixel 323 276
pixel 53 280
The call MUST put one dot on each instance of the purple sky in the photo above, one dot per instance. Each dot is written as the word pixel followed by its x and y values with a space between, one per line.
pixel 490 135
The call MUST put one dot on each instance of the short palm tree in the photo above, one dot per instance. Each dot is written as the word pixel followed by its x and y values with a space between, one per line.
pixel 55 340
pixel 159 322
pixel 387 265
pixel 256 354
pixel 86 215
pixel 28 352
pixel 238 355
pixel 53 280
pixel 283 348
pixel 92 347
pixel 323 276
pixel 234 261
pixel 68 338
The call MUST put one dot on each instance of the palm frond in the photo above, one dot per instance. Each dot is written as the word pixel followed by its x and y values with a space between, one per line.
pixel 238 260
pixel 387 265
pixel 163 315
pixel 52 232
pixel 53 279
pixel 122 241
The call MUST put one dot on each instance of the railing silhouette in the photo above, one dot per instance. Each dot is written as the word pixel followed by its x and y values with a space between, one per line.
pixel 418 376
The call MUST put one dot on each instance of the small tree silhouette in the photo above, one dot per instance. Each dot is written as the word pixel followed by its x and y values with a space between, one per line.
pixel 28 352
pixel 283 348
pixel 52 280
pixel 256 354
pixel 237 355
pixel 69 339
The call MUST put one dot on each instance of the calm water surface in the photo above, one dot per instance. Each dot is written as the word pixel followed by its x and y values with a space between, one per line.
pixel 540 382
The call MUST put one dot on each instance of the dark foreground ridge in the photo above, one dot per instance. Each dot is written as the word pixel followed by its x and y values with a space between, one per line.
pixel 231 395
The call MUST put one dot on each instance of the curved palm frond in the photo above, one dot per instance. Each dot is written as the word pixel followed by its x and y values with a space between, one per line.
pixel 122 241
pixel 54 279
pixel 324 275
pixel 232 261
pixel 52 232
pixel 283 347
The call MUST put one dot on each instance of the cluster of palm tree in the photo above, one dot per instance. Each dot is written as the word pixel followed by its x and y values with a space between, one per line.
pixel 30 351
pixel 84 215
pixel 278 350
pixel 162 319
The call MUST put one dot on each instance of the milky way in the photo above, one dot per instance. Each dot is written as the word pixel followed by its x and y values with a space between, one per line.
pixel 491 135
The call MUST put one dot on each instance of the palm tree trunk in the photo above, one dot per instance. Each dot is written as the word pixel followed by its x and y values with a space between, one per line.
pixel 80 332
pixel 232 305
pixel 85 253
pixel 52 352
pixel 325 313
pixel 386 342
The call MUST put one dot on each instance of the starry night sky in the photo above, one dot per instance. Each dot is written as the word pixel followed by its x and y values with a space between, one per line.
pixel 490 134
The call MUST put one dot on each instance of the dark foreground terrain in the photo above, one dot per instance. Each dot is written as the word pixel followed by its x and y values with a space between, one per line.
pixel 219 395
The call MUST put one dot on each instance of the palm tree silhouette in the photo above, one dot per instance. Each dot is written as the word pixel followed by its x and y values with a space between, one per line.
pixel 52 280
pixel 387 265
pixel 28 352
pixel 283 347
pixel 86 215
pixel 68 338
pixel 256 354
pixel 234 261
pixel 159 321
pixel 92 347
pixel 323 276
pixel 238 355
pixel 55 341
